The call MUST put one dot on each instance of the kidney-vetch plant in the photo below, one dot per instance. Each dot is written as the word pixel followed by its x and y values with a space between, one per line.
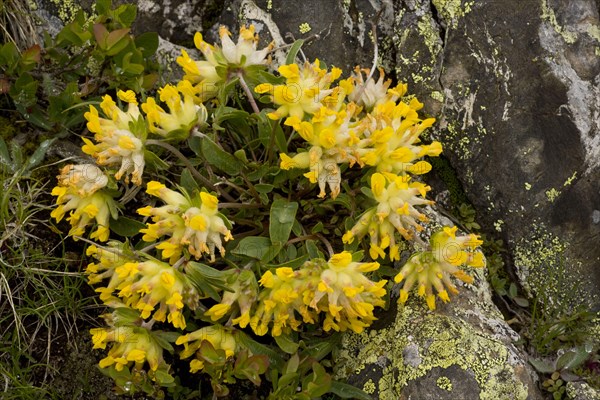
pixel 263 192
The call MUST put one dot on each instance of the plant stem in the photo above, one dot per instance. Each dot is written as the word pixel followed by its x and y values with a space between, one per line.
pixel 248 93
pixel 208 184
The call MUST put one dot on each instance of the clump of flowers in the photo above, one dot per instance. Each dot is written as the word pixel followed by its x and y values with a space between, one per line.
pixel 206 76
pixel 396 211
pixel 80 193
pixel 116 143
pixel 303 92
pixel 132 346
pixel 265 246
pixel 433 268
pixel 144 286
pixel 337 288
pixel 193 223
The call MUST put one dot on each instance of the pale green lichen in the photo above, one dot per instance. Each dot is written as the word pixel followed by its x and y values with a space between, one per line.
pixel 269 5
pixel 304 28
pixel 527 186
pixel 549 15
pixel 570 179
pixel 443 382
pixel 369 387
pixel 546 272
pixel 594 32
pixel 498 225
pixel 552 194
pixel 437 95
pixel 452 10
pixel 442 342
pixel 430 36
pixel 66 9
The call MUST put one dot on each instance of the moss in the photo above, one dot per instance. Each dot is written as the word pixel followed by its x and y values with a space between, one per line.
pixel 442 342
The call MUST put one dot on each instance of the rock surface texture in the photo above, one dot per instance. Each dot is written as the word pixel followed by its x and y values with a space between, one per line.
pixel 515 87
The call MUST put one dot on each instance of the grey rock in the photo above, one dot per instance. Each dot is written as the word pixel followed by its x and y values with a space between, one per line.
pixel 462 350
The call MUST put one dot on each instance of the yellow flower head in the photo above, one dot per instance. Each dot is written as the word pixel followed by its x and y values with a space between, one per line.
pixel 432 269
pixel 337 289
pixel 192 223
pixel 239 301
pixel 183 114
pixel 203 74
pixel 115 143
pixel 132 347
pixel 152 287
pixel 370 93
pixel 305 89
pixel 331 138
pixel 79 193
pixel 396 211
pixel 220 339
pixel 392 144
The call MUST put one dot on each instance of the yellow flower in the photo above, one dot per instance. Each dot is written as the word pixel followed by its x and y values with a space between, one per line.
pixel 243 296
pixel 303 92
pixel 116 144
pixel 152 287
pixel 370 93
pixel 132 346
pixel 337 289
pixel 183 114
pixel 193 223
pixel 220 339
pixel 432 269
pixel 396 211
pixel 203 74
pixel 79 193
pixel 392 144
pixel 331 139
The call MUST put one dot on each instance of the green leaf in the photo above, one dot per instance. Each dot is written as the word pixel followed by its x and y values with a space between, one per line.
pixel 257 348
pixel 163 378
pixel 282 217
pixel 155 161
pixel 147 42
pixel 293 264
pixel 294 49
pixel 126 227
pixel 541 366
pixel 38 155
pixel 219 158
pixel 286 343
pixel 257 247
pixel 346 391
pixel 292 364
pixel 103 7
pixel 312 249
pixel 264 188
pixel 572 358
pixel 163 338
pixel 126 14
pixel 188 182
pixel 4 155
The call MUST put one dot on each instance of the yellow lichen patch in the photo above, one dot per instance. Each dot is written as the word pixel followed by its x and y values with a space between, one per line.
pixel 442 342
pixel 445 383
